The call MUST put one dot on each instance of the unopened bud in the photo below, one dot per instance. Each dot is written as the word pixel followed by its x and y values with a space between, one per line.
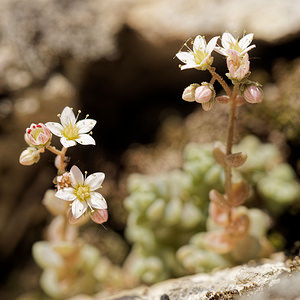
pixel 29 156
pixel 203 94
pixel 237 65
pixel 189 92
pixel 253 94
pixel 38 135
pixel 236 160
pixel 99 216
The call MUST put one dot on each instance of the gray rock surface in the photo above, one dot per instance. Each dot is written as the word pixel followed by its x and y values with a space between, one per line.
pixel 252 281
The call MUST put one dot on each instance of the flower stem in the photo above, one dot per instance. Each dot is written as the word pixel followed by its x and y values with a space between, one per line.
pixel 62 154
pixel 230 138
pixel 54 150
pixel 220 80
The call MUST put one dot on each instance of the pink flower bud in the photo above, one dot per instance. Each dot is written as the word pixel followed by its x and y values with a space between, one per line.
pixel 203 94
pixel 238 66
pixel 253 94
pixel 38 135
pixel 29 156
pixel 189 92
pixel 99 216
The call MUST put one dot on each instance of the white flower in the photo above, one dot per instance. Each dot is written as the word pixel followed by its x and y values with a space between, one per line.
pixel 230 43
pixel 70 131
pixel 82 192
pixel 200 57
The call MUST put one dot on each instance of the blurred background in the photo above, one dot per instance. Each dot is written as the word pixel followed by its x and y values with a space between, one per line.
pixel 114 60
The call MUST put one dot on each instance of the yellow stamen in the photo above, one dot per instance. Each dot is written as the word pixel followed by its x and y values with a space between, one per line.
pixel 82 192
pixel 71 132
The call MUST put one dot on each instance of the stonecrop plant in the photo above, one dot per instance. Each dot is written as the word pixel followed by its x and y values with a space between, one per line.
pixel 71 186
pixel 69 263
pixel 233 223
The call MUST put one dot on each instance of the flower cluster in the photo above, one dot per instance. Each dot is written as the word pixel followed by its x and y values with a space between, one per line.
pixel 71 186
pixel 38 136
pixel 238 64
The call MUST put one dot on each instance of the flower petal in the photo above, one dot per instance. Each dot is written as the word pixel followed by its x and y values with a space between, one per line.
pixel 55 128
pixel 246 41
pixel 211 45
pixel 78 208
pixel 76 176
pixel 85 139
pixel 67 117
pixel 247 49
pixel 97 201
pixel 199 43
pixel 227 40
pixel 186 57
pixel 221 50
pixel 86 125
pixel 66 194
pixel 95 180
pixel 67 143
pixel 190 66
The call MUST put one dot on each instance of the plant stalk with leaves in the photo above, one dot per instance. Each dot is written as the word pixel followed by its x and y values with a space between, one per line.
pixel 224 209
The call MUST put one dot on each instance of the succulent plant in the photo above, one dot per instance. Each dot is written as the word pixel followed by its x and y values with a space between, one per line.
pixel 168 213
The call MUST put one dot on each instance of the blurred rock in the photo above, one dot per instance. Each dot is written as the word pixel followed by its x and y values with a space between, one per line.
pixel 160 21
pixel 37 35
pixel 44 31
